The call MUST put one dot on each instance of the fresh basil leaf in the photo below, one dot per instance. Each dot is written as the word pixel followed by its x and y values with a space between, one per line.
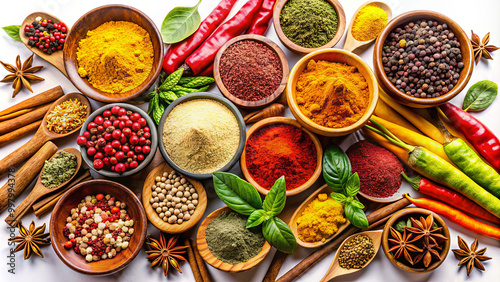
pixel 400 226
pixel 180 23
pixel 279 235
pixel 236 193
pixel 357 204
pixel 352 185
pixel 480 96
pixel 13 31
pixel 355 215
pixel 336 167
pixel 276 198
pixel 257 217
pixel 339 197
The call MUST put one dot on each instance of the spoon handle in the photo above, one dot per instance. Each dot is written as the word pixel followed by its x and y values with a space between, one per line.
pixel 23 153
pixel 15 216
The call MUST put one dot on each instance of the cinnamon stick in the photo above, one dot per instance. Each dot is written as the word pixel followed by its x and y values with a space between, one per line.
pixel 15 114
pixel 37 100
pixel 20 121
pixel 192 261
pixel 200 262
pixel 18 133
pixel 274 268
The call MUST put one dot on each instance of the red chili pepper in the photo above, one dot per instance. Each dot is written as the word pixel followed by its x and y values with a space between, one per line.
pixel 451 197
pixel 483 139
pixel 205 54
pixel 178 52
pixel 261 22
pixel 209 71
pixel 457 217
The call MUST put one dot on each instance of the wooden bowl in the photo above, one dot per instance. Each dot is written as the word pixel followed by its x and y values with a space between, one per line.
pixel 92 20
pixel 297 48
pixel 415 212
pixel 207 256
pixel 70 200
pixel 340 56
pixel 269 99
pixel 283 120
pixel 465 48
pixel 154 141
pixel 298 212
pixel 153 215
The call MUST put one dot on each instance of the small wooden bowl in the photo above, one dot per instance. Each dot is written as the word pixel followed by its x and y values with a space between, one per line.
pixel 207 256
pixel 91 21
pixel 70 200
pixel 298 212
pixel 340 56
pixel 415 212
pixel 153 215
pixel 283 120
pixel 269 99
pixel 465 48
pixel 302 50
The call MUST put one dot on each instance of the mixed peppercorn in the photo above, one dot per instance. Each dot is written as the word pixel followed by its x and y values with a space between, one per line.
pixel 46 35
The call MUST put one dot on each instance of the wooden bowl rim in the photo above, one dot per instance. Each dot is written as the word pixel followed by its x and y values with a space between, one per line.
pixel 465 47
pixel 153 216
pixel 284 66
pixel 416 211
pixel 290 121
pixel 70 64
pixel 242 266
pixel 132 198
pixel 303 50
pixel 323 130
pixel 382 5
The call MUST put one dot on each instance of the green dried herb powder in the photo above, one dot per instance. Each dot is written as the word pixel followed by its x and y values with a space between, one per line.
pixel 58 169
pixel 230 241
pixel 309 23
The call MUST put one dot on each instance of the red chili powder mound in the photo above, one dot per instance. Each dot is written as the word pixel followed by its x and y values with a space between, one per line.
pixel 379 170
pixel 280 149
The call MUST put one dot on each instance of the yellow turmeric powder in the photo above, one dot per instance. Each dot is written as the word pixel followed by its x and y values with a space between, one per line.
pixel 320 219
pixel 116 56
pixel 332 94
pixel 369 23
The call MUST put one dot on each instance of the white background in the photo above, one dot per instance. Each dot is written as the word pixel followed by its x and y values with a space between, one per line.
pixel 480 15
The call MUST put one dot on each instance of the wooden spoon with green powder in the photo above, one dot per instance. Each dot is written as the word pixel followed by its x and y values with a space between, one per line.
pixel 40 190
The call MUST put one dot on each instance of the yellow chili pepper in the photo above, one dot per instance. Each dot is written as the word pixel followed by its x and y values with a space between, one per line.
pixel 386 112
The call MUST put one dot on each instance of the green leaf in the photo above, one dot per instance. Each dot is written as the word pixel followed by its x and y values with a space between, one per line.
pixel 336 167
pixel 408 223
pixel 236 193
pixel 400 226
pixel 339 197
pixel 153 104
pixel 158 112
pixel 180 23
pixel 279 235
pixel 480 96
pixel 352 185
pixel 171 80
pixel 355 215
pixel 257 217
pixel 357 204
pixel 434 225
pixel 12 31
pixel 276 198
pixel 167 96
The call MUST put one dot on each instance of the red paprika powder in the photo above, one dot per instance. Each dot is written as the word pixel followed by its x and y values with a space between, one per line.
pixel 280 149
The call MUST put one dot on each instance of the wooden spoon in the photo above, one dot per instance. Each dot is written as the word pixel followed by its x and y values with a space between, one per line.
pixel 354 45
pixel 40 190
pixel 41 136
pixel 335 269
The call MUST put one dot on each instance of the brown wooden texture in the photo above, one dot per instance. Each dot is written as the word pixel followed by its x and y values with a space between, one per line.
pixel 71 199
pixel 200 262
pixel 465 48
pixel 20 132
pixel 20 121
pixel 192 261
pixel 90 21
pixel 273 110
pixel 252 104
pixel 23 177
pixel 35 101
pixel 153 215
pixel 302 50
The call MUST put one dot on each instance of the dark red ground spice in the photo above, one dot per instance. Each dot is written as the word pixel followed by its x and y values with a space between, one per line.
pixel 379 170
pixel 250 70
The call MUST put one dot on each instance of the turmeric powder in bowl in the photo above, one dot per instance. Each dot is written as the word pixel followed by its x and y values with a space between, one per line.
pixel 320 219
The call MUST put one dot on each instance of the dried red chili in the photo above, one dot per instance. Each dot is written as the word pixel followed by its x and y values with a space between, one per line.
pixel 280 149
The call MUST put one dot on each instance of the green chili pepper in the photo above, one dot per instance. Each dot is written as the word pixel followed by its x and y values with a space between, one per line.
pixel 158 112
pixel 152 104
pixel 171 80
pixel 185 80
pixel 151 95
pixel 168 96
pixel 200 81
pixel 181 93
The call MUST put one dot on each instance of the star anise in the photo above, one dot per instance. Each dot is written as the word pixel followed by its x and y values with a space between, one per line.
pixel 164 253
pixel 31 239
pixel 423 228
pixel 402 245
pixel 21 74
pixel 481 47
pixel 470 257
pixel 428 254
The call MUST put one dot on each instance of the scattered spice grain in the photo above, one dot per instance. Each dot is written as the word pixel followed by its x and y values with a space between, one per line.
pixel 67 116
pixel 58 169
pixel 357 252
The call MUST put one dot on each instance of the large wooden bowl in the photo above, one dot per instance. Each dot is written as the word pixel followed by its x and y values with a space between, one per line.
pixel 340 56
pixel 290 121
pixel 269 99
pixel 465 48
pixel 153 215
pixel 70 200
pixel 297 48
pixel 207 256
pixel 92 20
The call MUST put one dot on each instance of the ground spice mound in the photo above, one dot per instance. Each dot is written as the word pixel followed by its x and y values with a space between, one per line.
pixel 250 70
pixel 379 170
